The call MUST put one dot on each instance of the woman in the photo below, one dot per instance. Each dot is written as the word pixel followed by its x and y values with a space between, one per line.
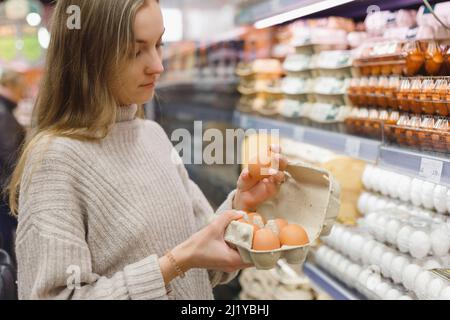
pixel 103 210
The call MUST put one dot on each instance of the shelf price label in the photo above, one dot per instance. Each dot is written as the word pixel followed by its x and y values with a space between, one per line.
pixel 352 147
pixel 299 134
pixel 431 170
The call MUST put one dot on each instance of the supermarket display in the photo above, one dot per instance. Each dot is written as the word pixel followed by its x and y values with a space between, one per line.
pixel 362 107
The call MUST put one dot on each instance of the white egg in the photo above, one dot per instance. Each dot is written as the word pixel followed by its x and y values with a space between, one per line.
pixel 445 294
pixel 416 192
pixel 353 272
pixel 409 275
pixel 342 267
pixel 435 288
pixel 373 281
pixel 404 188
pixel 362 202
pixel 367 251
pixel 335 260
pixel 382 289
pixel 404 297
pixel 371 220
pixel 371 202
pixel 386 262
pixel 398 265
pixel 419 244
pixel 421 284
pixel 363 276
pixel 345 241
pixel 337 235
pixel 376 179
pixel 431 264
pixel 393 184
pixel 356 242
pixel 392 229
pixel 380 228
pixel 403 238
pixel 376 254
pixel 393 294
pixel 445 260
pixel 385 178
pixel 427 195
pixel 440 240
pixel 440 198
pixel 321 251
pixel 367 177
pixel 380 204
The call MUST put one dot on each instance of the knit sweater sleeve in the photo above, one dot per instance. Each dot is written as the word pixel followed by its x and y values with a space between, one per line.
pixel 204 214
pixel 54 260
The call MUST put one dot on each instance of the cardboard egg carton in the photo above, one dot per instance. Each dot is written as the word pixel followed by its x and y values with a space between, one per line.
pixel 309 197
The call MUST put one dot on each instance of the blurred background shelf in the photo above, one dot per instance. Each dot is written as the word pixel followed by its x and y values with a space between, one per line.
pixel 335 288
pixel 353 146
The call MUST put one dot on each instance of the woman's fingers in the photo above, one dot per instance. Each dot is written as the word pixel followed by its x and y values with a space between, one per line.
pixel 245 181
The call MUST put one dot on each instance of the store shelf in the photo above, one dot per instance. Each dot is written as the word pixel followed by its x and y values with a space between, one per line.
pixel 353 146
pixel 415 164
pixel 336 289
pixel 200 84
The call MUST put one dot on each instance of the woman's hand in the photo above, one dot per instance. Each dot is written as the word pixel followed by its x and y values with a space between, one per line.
pixel 206 249
pixel 250 192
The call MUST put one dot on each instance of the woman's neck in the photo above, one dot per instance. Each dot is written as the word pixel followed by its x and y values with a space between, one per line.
pixel 126 113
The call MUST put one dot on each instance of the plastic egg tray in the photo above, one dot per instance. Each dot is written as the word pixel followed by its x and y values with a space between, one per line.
pixel 309 197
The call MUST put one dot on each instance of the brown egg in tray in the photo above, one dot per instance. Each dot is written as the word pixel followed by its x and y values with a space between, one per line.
pixel 425 57
pixel 425 133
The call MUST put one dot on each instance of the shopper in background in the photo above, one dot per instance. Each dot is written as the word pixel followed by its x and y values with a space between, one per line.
pixel 12 135
pixel 104 210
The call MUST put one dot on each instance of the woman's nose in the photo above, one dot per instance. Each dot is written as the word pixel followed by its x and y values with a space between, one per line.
pixel 154 65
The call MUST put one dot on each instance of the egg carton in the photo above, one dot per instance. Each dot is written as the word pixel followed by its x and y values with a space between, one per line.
pixel 419 236
pixel 309 197
pixel 414 190
pixel 366 280
pixel 390 263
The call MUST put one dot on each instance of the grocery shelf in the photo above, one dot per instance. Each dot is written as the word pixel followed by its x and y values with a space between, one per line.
pixel 333 287
pixel 353 146
pixel 200 83
pixel 428 167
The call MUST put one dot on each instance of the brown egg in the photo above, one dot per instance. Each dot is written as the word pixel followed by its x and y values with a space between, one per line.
pixel 253 215
pixel 258 167
pixel 293 235
pixel 264 240
pixel 281 223
pixel 255 227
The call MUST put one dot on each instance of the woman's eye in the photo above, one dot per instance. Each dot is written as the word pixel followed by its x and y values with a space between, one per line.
pixel 138 53
pixel 160 45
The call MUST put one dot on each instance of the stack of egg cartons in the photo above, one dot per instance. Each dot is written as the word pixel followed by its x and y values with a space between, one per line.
pixel 316 80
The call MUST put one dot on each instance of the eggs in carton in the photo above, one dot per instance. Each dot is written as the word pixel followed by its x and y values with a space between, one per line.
pixel 309 200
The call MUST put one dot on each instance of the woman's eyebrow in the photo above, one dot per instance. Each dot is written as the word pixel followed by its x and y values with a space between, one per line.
pixel 140 41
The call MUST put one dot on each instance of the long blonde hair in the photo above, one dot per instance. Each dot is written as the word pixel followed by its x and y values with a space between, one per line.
pixel 75 98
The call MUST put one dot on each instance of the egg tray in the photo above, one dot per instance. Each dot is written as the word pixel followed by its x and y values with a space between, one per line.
pixel 309 197
pixel 418 138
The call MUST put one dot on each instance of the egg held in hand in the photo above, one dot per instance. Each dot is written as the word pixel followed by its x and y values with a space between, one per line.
pixel 293 235
pixel 259 169
pixel 265 240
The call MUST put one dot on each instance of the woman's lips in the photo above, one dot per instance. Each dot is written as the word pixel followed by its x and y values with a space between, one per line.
pixel 148 85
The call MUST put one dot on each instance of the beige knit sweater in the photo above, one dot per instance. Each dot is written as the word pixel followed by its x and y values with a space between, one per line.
pixel 94 217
